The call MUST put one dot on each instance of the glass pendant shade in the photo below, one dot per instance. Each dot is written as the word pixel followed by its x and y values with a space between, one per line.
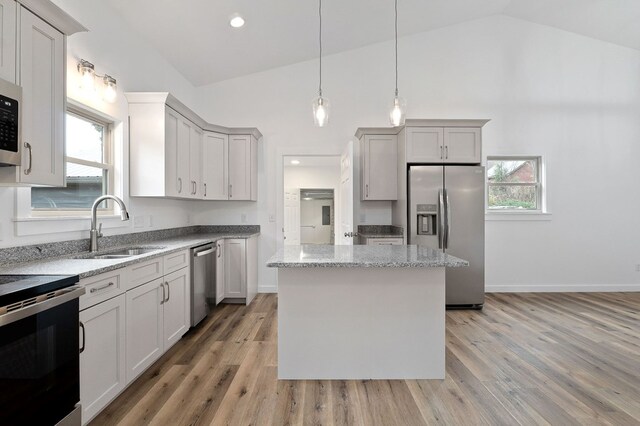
pixel 398 109
pixel 87 76
pixel 110 89
pixel 321 111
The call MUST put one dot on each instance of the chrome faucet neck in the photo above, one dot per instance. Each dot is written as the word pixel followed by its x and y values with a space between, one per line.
pixel 94 233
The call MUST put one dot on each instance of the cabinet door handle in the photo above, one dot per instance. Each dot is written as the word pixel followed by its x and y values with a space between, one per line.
pixel 27 171
pixel 84 337
pixel 219 250
pixel 163 294
pixel 93 290
pixel 366 190
pixel 230 191
pixel 205 189
pixel 446 152
pixel 441 153
pixel 179 185
pixel 168 291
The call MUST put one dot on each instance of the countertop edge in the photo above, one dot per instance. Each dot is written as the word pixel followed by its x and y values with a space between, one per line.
pixel 180 243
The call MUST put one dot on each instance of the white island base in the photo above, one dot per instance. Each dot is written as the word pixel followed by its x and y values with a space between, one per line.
pixel 361 323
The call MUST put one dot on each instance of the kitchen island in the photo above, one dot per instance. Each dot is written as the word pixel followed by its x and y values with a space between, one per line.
pixel 361 312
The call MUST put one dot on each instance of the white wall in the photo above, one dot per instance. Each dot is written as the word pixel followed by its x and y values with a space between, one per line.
pixel 115 49
pixel 571 99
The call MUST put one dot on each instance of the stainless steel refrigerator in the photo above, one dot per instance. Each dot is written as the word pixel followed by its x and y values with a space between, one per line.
pixel 446 211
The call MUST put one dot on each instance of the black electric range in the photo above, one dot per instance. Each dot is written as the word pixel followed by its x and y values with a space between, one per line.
pixel 16 288
pixel 39 349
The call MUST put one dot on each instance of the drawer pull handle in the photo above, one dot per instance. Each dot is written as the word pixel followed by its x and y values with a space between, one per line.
pixel 93 290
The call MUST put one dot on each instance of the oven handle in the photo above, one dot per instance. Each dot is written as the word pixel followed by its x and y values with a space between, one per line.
pixel 63 296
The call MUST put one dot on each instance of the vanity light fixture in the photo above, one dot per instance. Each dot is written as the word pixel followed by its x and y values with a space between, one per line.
pixel 320 104
pixel 396 115
pixel 236 21
pixel 87 82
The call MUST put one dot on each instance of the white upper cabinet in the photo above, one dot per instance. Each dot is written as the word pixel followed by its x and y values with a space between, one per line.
pixel 195 162
pixel 425 144
pixel 202 161
pixel 462 145
pixel 443 145
pixel 379 167
pixel 42 77
pixel 215 166
pixel 8 40
pixel 242 154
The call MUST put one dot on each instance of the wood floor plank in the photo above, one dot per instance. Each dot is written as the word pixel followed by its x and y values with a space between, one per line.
pixel 528 358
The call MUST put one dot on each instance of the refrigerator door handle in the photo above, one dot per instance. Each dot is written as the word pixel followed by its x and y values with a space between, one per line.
pixel 441 213
pixel 447 207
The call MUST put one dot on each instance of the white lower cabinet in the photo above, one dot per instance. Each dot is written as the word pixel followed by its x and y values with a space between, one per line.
pixel 102 362
pixel 235 275
pixel 219 271
pixel 241 269
pixel 176 306
pixel 145 332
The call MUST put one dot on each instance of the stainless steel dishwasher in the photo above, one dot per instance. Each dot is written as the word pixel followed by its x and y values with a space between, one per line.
pixel 203 280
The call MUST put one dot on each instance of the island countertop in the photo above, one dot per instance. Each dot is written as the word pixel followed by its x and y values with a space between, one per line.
pixel 362 256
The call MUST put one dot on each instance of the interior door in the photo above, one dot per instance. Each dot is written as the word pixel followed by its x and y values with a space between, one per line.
pixel 292 217
pixel 464 187
pixel 346 196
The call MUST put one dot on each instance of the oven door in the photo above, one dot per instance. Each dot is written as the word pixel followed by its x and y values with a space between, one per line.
pixel 39 361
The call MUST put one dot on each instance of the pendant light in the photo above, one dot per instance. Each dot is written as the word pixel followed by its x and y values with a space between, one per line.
pixel 398 108
pixel 320 104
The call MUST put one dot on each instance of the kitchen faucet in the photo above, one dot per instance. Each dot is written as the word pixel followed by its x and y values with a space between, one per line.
pixel 95 232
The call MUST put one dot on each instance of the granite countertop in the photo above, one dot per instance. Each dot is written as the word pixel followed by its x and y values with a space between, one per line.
pixel 360 256
pixel 69 265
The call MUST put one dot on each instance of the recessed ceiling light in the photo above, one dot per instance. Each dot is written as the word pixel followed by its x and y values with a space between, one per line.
pixel 295 162
pixel 236 21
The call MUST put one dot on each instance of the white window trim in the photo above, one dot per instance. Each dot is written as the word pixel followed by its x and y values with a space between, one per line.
pixel 541 214
pixel 26 223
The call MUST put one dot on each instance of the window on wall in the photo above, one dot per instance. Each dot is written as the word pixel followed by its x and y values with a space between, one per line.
pixel 514 183
pixel 89 167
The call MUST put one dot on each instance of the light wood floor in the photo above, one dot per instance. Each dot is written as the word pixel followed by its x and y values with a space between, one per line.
pixel 558 359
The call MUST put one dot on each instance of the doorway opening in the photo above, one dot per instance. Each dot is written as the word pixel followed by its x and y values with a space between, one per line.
pixel 311 199
pixel 317 216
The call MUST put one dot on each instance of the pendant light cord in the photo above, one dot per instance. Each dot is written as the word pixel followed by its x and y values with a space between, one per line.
pixel 320 40
pixel 396 38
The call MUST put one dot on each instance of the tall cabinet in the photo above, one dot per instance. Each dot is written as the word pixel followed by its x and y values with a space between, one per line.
pixel 33 55
pixel 201 160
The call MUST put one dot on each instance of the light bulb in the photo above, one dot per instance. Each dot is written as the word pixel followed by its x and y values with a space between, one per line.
pixel 87 74
pixel 110 89
pixel 396 115
pixel 321 111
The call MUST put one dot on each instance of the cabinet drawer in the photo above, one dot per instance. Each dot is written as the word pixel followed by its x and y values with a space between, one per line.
pixel 143 272
pixel 175 261
pixel 101 287
pixel 385 241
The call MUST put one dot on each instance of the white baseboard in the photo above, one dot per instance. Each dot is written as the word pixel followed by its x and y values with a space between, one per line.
pixel 267 289
pixel 564 288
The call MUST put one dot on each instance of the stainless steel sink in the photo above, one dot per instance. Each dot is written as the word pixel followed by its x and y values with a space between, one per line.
pixel 119 254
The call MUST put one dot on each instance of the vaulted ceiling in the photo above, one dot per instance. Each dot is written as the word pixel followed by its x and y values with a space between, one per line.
pixel 195 36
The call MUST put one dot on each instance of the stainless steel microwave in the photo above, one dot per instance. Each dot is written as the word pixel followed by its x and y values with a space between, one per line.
pixel 10 123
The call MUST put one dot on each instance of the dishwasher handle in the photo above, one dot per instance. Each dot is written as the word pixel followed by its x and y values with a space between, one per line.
pixel 204 252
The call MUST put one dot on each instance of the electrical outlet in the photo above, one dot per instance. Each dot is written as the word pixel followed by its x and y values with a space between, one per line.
pixel 243 218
